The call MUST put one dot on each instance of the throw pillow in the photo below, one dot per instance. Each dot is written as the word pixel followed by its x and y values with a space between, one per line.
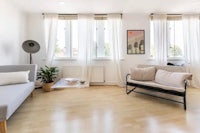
pixel 175 79
pixel 143 74
pixel 14 77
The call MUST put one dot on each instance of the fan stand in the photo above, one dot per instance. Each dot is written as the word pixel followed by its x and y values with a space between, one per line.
pixel 30 58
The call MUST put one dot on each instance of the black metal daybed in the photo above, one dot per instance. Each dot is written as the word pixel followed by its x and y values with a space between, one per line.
pixel 156 87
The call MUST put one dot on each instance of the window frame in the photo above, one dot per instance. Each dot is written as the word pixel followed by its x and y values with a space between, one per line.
pixel 168 42
pixel 174 58
pixel 96 17
pixel 95 54
pixel 70 57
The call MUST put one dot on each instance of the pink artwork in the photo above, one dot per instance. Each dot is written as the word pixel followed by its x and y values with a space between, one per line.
pixel 135 42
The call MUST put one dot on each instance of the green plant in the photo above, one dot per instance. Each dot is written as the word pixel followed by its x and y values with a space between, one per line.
pixel 175 50
pixel 47 74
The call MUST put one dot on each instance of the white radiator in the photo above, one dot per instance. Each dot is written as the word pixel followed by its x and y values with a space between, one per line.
pixel 72 72
pixel 97 74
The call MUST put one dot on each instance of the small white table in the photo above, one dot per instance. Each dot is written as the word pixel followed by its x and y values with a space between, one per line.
pixel 62 83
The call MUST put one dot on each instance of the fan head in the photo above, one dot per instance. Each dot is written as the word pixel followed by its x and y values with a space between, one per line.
pixel 31 46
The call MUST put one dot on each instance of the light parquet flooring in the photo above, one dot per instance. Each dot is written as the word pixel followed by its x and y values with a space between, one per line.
pixel 104 109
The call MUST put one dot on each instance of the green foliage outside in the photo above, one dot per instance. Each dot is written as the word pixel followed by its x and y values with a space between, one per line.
pixel 152 52
pixel 59 52
pixel 107 49
pixel 175 51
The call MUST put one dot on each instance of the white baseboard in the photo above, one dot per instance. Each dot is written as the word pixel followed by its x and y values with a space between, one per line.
pixel 104 83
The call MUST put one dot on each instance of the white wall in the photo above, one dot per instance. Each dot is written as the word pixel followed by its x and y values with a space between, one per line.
pixel 130 22
pixel 135 22
pixel 35 31
pixel 12 34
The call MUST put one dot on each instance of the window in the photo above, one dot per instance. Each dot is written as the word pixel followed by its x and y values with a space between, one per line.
pixel 101 39
pixel 174 39
pixel 67 39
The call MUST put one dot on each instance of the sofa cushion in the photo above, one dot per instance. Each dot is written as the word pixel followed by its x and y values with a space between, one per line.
pixel 143 74
pixel 14 77
pixel 175 79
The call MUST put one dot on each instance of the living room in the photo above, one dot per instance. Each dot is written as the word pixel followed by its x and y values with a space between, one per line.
pixel 103 106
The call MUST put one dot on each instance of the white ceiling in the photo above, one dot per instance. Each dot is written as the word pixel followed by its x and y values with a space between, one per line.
pixel 108 6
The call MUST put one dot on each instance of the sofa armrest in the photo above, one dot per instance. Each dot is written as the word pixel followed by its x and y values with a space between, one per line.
pixel 128 75
pixel 185 84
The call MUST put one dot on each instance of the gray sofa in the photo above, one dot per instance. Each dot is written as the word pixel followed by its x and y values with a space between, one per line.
pixel 12 96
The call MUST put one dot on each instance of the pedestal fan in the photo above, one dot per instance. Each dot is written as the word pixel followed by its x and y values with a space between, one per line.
pixel 31 47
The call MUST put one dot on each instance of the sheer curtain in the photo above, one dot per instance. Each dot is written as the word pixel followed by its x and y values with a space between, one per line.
pixel 86 43
pixel 115 31
pixel 191 31
pixel 50 24
pixel 160 38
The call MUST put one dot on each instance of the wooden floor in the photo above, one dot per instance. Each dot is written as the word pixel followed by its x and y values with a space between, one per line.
pixel 104 109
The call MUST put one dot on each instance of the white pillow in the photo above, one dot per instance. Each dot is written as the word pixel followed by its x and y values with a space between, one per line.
pixel 14 77
pixel 143 74
pixel 175 79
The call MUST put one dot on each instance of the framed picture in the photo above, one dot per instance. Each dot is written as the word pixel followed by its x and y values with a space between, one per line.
pixel 135 42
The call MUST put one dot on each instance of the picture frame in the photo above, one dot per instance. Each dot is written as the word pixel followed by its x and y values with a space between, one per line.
pixel 135 42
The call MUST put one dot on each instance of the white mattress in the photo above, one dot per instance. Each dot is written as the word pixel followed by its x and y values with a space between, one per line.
pixel 154 84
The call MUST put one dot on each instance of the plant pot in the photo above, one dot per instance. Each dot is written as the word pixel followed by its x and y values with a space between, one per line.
pixel 47 86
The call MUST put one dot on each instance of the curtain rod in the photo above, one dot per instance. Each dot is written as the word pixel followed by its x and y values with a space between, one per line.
pixel 174 14
pixel 83 13
pixel 166 14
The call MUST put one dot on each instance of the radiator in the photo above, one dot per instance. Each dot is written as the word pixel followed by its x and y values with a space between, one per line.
pixel 97 74
pixel 71 72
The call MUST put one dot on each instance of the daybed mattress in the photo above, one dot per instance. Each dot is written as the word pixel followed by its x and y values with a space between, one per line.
pixel 154 84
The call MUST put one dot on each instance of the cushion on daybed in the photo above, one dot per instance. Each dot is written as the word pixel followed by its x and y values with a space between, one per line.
pixel 143 74
pixel 14 77
pixel 175 79
pixel 166 68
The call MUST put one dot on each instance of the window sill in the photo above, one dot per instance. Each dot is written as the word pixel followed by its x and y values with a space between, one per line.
pixel 169 59
pixel 102 59
pixel 75 59
pixel 175 59
pixel 65 59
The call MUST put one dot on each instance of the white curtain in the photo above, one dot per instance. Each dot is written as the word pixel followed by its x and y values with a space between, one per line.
pixel 115 31
pixel 191 31
pixel 50 24
pixel 160 38
pixel 86 43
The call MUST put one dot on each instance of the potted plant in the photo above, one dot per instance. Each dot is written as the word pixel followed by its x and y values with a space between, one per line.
pixel 47 76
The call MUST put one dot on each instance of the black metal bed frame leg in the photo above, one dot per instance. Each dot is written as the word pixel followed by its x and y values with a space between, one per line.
pixel 129 91
pixel 184 99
